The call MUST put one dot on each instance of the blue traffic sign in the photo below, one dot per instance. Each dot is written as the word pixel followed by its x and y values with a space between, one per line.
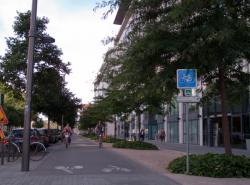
pixel 186 78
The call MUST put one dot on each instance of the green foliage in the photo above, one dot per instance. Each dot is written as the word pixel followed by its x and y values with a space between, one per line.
pixel 110 139
pixel 13 105
pixel 213 165
pixel 107 139
pixel 138 145
pixel 92 136
pixel 96 112
pixel 50 96
pixel 211 36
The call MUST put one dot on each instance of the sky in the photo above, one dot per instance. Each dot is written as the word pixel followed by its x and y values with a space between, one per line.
pixel 78 31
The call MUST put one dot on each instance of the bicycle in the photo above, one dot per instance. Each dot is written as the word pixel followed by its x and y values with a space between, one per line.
pixel 66 139
pixel 37 151
pixel 12 151
pixel 100 140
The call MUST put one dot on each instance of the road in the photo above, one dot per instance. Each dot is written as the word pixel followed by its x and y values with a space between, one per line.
pixel 83 163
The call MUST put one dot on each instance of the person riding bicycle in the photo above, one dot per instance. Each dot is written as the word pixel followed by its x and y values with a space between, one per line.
pixel 99 130
pixel 67 131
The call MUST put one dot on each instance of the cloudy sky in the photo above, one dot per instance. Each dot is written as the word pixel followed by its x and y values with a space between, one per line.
pixel 78 31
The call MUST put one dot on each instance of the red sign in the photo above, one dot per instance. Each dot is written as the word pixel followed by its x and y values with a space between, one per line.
pixel 3 118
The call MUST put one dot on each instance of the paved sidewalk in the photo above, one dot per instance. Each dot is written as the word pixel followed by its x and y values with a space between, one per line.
pixel 196 149
pixel 158 160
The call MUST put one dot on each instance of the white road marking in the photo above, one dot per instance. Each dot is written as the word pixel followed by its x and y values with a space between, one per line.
pixel 107 170
pixel 77 167
pixel 63 168
pixel 69 169
pixel 111 168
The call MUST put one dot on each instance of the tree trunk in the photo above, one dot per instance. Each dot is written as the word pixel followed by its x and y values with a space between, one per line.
pixel 224 105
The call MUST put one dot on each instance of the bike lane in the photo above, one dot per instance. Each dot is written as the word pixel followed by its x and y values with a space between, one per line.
pixel 84 163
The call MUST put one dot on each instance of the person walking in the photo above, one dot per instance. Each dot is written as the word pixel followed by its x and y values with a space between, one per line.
pixel 142 134
pixel 162 135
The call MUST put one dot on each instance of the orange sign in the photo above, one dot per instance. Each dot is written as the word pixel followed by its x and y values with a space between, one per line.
pixel 3 118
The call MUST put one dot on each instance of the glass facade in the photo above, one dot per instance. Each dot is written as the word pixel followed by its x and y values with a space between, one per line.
pixel 173 132
pixel 238 118
pixel 193 131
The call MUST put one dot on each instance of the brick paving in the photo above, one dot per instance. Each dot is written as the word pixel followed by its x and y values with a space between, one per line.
pixel 158 160
pixel 10 173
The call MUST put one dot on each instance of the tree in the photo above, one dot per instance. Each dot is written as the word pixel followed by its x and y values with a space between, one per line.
pixel 48 81
pixel 13 106
pixel 212 36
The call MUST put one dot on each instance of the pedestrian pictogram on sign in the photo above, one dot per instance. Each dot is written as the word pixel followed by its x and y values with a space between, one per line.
pixel 3 118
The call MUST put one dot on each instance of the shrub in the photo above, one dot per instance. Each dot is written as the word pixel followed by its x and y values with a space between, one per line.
pixel 213 165
pixel 91 136
pixel 134 145
pixel 109 139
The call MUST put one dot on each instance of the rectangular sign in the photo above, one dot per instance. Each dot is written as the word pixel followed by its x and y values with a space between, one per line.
pixel 187 92
pixel 188 99
pixel 186 78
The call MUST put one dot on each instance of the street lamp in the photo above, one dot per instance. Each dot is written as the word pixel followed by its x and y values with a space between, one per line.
pixel 27 108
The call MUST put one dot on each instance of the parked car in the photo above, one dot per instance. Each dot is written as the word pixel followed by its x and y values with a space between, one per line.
pixel 44 135
pixel 16 135
pixel 54 135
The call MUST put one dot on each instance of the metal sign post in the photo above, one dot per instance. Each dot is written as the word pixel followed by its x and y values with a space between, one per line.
pixel 187 80
pixel 25 165
pixel 187 122
pixel 2 148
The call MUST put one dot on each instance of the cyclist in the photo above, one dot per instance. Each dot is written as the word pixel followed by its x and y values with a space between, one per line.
pixel 67 132
pixel 99 130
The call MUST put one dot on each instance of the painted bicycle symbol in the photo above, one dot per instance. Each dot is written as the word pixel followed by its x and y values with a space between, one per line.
pixel 187 78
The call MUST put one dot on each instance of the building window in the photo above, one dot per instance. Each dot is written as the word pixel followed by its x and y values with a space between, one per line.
pixel 193 131
pixel 236 125
pixel 173 132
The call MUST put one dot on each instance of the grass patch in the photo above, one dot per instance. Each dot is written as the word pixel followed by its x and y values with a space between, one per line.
pixel 213 165
pixel 134 145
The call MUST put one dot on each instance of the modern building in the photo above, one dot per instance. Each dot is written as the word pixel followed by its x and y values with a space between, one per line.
pixel 204 122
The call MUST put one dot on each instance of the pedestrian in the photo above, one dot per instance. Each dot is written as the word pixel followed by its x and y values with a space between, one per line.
pixel 162 135
pixel 142 134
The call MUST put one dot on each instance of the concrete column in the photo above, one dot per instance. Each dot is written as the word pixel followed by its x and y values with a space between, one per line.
pixel 136 125
pixel 180 122
pixel 166 127
pixel 130 128
pixel 142 120
pixel 200 121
